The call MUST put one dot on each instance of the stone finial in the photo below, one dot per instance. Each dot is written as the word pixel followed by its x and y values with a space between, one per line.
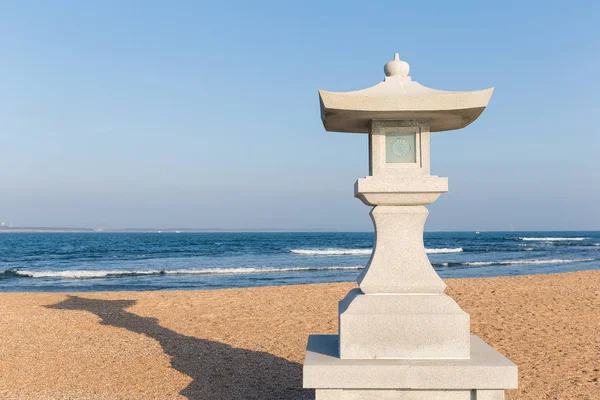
pixel 396 67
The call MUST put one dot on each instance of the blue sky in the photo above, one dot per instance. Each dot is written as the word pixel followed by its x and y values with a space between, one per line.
pixel 205 114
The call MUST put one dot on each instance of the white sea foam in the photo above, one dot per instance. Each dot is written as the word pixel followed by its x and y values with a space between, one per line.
pixel 82 274
pixel 552 239
pixel 87 274
pixel 442 251
pixel 331 252
pixel 342 252
pixel 524 262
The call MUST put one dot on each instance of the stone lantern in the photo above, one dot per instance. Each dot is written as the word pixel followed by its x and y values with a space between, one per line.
pixel 400 337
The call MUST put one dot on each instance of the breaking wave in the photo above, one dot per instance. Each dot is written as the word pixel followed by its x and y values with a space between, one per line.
pixel 83 274
pixel 331 252
pixel 99 274
pixel 442 251
pixel 342 252
pixel 512 262
pixel 552 239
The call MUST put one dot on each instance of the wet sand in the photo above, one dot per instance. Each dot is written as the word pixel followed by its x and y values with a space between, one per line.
pixel 249 343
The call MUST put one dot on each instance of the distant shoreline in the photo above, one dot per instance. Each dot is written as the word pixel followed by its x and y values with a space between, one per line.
pixel 214 230
pixel 183 230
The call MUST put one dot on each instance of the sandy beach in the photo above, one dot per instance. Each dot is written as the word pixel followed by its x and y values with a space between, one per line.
pixel 249 343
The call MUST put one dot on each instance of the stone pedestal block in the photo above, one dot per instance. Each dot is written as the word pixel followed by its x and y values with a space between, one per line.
pixel 341 394
pixel 483 376
pixel 428 326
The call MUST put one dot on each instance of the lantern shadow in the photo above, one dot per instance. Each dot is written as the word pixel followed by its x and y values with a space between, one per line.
pixel 218 371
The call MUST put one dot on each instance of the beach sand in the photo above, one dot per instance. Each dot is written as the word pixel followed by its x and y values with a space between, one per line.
pixel 249 343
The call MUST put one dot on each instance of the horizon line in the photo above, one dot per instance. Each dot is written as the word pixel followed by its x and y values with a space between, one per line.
pixel 6 229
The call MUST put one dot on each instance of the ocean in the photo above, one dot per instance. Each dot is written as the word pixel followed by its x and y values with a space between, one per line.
pixel 169 261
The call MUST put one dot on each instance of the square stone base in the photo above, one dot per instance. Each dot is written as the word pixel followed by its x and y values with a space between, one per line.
pixel 407 326
pixel 483 376
pixel 343 394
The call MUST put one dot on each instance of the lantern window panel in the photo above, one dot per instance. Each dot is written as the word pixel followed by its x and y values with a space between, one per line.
pixel 400 147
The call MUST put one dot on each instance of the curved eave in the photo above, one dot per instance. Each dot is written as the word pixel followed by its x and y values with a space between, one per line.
pixel 348 112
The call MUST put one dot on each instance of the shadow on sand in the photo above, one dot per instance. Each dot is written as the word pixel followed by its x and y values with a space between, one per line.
pixel 218 370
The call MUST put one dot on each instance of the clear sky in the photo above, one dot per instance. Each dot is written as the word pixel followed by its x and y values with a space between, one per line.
pixel 205 114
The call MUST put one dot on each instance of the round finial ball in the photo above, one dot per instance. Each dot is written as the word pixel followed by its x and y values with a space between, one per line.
pixel 396 67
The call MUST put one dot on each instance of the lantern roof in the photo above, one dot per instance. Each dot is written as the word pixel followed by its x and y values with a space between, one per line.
pixel 399 97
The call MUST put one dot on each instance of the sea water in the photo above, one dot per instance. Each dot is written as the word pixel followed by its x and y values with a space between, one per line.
pixel 157 261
